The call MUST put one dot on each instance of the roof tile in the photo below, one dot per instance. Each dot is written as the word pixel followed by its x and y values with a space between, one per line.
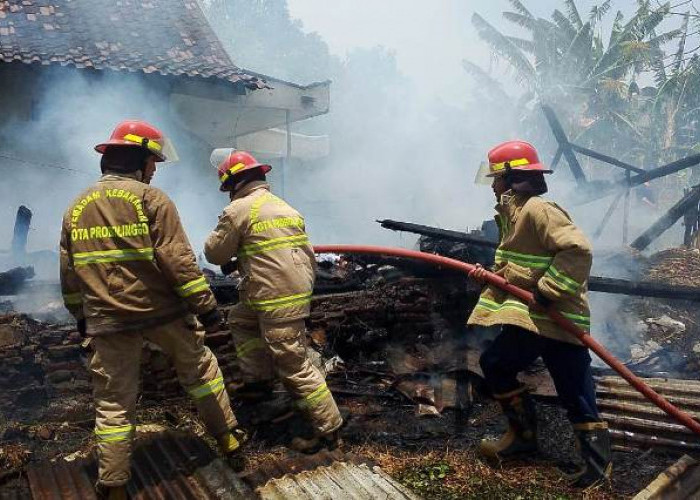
pixel 171 37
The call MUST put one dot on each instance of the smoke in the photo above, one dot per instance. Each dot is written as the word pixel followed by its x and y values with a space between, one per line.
pixel 49 159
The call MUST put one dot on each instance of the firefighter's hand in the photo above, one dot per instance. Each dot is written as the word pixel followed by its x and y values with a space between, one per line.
pixel 82 327
pixel 478 273
pixel 212 321
pixel 229 268
pixel 539 300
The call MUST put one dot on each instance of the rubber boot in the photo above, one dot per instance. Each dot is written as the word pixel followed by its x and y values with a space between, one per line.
pixel 329 441
pixel 110 492
pixel 521 436
pixel 231 446
pixel 593 445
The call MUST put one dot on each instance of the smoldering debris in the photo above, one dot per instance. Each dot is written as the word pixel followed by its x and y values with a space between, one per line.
pixel 12 281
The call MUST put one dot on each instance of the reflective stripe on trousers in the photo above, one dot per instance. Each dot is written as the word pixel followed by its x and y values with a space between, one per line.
pixel 212 387
pixel 314 399
pixel 191 287
pixel 250 346
pixel 280 302
pixel 113 434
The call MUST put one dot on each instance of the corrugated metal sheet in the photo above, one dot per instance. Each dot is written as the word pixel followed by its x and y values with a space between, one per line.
pixel 634 421
pixel 680 481
pixel 637 423
pixel 340 480
pixel 164 466
pixel 181 466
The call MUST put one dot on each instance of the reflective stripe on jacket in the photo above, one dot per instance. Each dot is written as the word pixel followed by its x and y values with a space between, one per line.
pixel 126 262
pixel 275 258
pixel 540 248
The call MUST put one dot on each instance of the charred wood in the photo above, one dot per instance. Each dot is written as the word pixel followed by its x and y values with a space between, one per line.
pixel 12 281
pixel 595 284
pixel 668 219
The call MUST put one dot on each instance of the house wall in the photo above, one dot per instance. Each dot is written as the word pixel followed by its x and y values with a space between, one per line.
pixel 50 119
pixel 18 83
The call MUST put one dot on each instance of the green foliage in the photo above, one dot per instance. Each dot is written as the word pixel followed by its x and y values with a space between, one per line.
pixel 436 480
pixel 591 82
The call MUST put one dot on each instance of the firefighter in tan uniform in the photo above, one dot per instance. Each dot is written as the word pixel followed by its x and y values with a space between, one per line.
pixel 541 251
pixel 277 266
pixel 128 274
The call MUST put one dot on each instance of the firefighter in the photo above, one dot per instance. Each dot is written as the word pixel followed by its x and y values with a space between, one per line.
pixel 128 274
pixel 542 251
pixel 277 268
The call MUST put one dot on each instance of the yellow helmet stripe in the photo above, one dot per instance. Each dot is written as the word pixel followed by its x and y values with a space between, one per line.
pixel 495 167
pixel 149 143
pixel 236 168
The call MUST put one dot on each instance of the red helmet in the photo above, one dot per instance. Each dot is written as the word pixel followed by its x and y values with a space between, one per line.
pixel 515 155
pixel 230 162
pixel 137 133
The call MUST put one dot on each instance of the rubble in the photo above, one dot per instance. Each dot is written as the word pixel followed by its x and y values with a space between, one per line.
pixel 12 281
pixel 395 359
pixel 673 325
pixel 681 480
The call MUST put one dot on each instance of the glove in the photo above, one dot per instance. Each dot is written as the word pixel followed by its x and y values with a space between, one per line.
pixel 211 320
pixel 539 299
pixel 230 267
pixel 82 327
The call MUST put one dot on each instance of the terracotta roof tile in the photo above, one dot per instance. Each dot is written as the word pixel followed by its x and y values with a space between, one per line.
pixel 171 37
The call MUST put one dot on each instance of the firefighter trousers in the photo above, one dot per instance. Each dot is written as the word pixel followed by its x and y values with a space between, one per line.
pixel 115 367
pixel 515 349
pixel 266 350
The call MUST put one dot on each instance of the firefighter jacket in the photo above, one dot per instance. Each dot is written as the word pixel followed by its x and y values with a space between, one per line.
pixel 540 249
pixel 126 262
pixel 275 259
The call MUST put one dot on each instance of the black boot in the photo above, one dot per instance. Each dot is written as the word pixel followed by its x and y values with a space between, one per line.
pixel 593 445
pixel 231 446
pixel 329 441
pixel 521 436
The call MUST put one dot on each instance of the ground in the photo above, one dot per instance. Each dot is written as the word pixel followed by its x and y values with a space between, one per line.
pixel 436 457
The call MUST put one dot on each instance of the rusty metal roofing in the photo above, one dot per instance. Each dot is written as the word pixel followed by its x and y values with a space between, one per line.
pixel 637 423
pixel 171 37
pixel 339 480
pixel 176 465
pixel 165 465
pixel 679 482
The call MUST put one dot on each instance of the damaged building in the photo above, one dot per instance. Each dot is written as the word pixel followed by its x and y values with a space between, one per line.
pixel 165 64
pixel 389 332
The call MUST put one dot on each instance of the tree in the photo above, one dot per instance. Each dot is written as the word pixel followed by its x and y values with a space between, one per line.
pixel 565 63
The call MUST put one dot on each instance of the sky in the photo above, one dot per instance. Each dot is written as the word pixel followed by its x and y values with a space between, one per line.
pixel 430 43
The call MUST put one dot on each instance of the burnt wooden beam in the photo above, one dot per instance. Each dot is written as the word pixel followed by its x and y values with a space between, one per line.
pixel 19 239
pixel 643 288
pixel 595 283
pixel 668 219
pixel 607 159
pixel 12 281
pixel 557 158
pixel 434 232
pixel 606 217
pixel 564 144
pixel 664 170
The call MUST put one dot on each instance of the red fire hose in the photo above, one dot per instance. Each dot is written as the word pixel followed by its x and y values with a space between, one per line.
pixel 636 382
